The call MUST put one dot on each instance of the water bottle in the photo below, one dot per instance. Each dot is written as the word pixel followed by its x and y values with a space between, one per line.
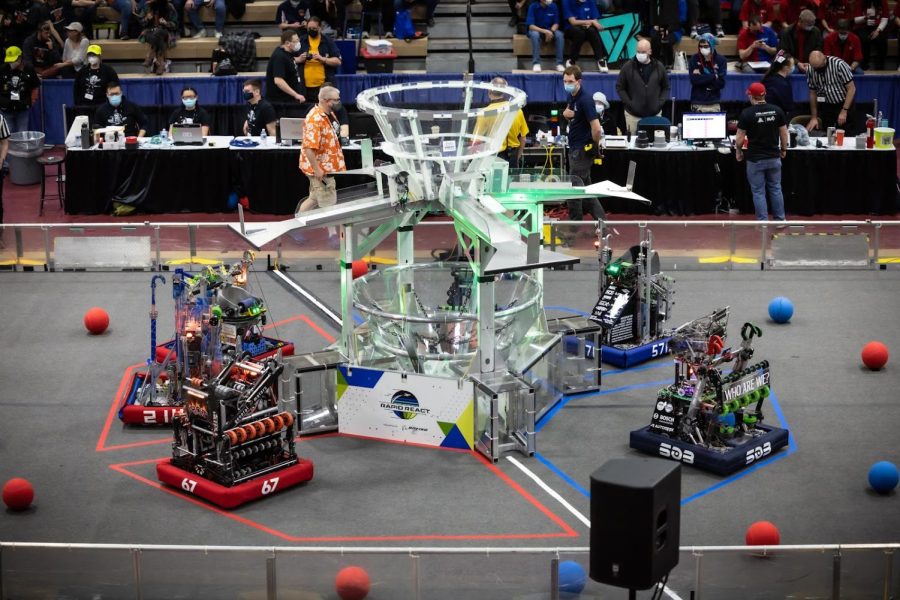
pixel 163 138
pixel 85 137
pixel 263 137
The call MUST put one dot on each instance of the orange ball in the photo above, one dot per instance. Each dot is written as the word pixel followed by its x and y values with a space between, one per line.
pixel 359 268
pixel 96 320
pixel 875 355
pixel 18 493
pixel 352 583
pixel 762 533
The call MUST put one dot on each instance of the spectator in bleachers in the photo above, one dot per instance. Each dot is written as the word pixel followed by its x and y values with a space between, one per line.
pixel 260 113
pixel 543 26
pixel 582 24
pixel 192 9
pixel 778 87
pixel 829 78
pixel 758 8
pixel 832 11
pixel 80 11
pixel 189 113
pixel 707 69
pixel 845 44
pixel 91 81
pixel 118 111
pixel 291 14
pixel 798 6
pixel 430 5
pixel 871 22
pixel 58 13
pixel 23 18
pixel 755 43
pixel 515 9
pixel 332 12
pixel 779 14
pixel 283 82
pixel 126 9
pixel 713 14
pixel 319 57
pixel 801 39
pixel 19 88
pixel 642 85
pixel 159 24
pixel 42 52
pixel 896 20
pixel 74 50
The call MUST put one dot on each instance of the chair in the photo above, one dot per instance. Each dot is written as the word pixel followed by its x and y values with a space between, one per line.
pixel 110 27
pixel 364 13
pixel 49 161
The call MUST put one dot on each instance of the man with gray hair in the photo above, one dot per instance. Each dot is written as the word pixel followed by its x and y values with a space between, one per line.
pixel 321 154
pixel 801 39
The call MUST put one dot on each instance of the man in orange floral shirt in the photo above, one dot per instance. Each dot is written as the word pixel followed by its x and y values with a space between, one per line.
pixel 321 154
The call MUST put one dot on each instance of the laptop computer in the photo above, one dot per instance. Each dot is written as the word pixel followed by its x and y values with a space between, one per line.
pixel 187 135
pixel 291 129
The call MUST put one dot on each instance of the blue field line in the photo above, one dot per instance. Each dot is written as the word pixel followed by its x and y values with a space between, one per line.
pixel 552 412
pixel 644 367
pixel 568 309
pixel 562 475
pixel 792 444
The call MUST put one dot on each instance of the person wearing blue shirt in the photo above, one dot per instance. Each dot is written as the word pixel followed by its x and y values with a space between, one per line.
pixel 584 136
pixel 543 26
pixel 756 43
pixel 581 21
pixel 707 71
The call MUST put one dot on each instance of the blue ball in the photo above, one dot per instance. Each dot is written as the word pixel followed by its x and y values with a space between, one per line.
pixel 727 420
pixel 781 309
pixel 883 477
pixel 572 577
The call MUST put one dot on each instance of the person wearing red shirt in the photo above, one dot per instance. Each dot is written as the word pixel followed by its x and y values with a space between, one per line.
pixel 756 43
pixel 832 11
pixel 871 21
pixel 779 14
pixel 845 45
pixel 797 7
pixel 760 8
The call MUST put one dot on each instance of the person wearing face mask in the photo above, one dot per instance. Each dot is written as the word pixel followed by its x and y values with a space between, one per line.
pixel 778 89
pixel 283 84
pixel 543 27
pixel 601 105
pixel 319 57
pixel 846 45
pixel 581 22
pixel 707 71
pixel 91 81
pixel 584 137
pixel 121 112
pixel 189 113
pixel 19 86
pixel 321 154
pixel 831 93
pixel 259 112
pixel 291 14
pixel 643 86
pixel 801 39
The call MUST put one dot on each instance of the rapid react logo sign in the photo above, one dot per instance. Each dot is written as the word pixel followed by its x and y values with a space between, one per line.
pixel 405 405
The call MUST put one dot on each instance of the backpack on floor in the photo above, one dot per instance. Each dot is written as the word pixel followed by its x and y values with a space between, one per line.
pixel 242 48
pixel 403 25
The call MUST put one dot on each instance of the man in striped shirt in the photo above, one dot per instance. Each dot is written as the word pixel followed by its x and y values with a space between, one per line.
pixel 831 92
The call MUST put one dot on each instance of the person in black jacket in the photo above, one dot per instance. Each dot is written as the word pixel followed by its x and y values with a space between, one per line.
pixel 319 57
pixel 802 38
pixel 707 71
pixel 90 83
pixel 778 88
pixel 283 82
pixel 642 85
pixel 121 112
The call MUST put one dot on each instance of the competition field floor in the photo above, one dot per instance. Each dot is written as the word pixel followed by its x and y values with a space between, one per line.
pixel 95 481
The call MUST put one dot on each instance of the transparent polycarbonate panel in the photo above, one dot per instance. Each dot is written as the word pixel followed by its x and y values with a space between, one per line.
pixel 316 394
pixel 167 574
pixel 775 575
pixel 451 577
pixel 314 575
pixel 67 573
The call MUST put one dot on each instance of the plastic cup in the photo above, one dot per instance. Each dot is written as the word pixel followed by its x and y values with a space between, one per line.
pixel 839 137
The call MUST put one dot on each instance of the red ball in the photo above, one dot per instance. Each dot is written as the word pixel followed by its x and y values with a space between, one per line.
pixel 96 320
pixel 762 533
pixel 18 493
pixel 874 355
pixel 352 583
pixel 359 268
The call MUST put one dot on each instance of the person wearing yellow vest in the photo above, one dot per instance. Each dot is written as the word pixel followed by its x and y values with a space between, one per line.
pixel 514 144
pixel 319 57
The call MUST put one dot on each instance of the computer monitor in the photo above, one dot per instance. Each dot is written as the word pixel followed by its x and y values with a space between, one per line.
pixel 291 129
pixel 701 127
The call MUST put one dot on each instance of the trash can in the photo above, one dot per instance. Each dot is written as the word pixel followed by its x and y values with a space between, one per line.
pixel 24 149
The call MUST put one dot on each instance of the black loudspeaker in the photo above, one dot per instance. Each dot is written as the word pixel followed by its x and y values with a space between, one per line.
pixel 635 516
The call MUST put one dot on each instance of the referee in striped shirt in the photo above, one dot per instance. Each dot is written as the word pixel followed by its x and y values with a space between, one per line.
pixel 831 92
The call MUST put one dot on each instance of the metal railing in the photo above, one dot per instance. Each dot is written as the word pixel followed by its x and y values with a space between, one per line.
pixel 164 571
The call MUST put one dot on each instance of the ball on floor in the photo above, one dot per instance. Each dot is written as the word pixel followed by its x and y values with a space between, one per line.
pixel 762 533
pixel 875 355
pixel 572 577
pixel 18 493
pixel 883 477
pixel 781 309
pixel 352 583
pixel 96 320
